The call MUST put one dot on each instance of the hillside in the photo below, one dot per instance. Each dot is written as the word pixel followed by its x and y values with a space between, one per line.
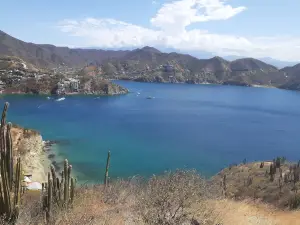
pixel 50 55
pixel 151 65
pixel 174 198
pixel 276 183
pixel 293 73
pixel 154 66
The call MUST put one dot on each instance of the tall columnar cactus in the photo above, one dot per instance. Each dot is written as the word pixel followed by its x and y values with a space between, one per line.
pixel 278 162
pixel 272 171
pixel 224 186
pixel 10 189
pixel 106 169
pixel 262 165
pixel 9 155
pixel 58 192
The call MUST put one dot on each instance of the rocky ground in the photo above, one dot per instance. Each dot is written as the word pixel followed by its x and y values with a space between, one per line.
pixel 29 145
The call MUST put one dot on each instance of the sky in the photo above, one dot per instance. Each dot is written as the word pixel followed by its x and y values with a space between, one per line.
pixel 253 28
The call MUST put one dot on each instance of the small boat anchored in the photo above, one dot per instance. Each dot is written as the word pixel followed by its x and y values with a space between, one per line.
pixel 60 99
pixel 149 97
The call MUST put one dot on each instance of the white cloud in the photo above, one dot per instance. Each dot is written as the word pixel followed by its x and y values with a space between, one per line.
pixel 170 30
pixel 108 32
pixel 176 16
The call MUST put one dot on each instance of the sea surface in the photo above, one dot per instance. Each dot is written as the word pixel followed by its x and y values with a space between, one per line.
pixel 206 127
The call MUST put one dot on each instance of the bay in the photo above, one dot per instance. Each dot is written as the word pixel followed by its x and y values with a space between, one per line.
pixel 206 127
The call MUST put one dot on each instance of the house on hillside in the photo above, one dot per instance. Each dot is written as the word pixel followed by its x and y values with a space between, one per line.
pixel 168 68
pixel 60 88
pixel 74 84
pixel 2 86
pixel 68 85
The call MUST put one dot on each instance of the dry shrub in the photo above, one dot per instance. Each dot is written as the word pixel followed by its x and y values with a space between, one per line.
pixel 167 199
pixel 122 191
pixel 173 198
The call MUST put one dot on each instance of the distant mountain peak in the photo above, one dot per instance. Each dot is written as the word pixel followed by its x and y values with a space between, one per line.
pixel 219 59
pixel 150 49
pixel 245 64
pixel 2 33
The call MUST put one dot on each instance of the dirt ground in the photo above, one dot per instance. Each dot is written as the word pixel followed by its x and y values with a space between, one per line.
pixel 250 213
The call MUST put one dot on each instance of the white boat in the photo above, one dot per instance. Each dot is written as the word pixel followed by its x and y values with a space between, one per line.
pixel 60 99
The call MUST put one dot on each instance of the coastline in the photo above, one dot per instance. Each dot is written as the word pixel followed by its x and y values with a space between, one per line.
pixel 204 83
pixel 66 94
pixel 38 165
pixel 29 144
pixel 262 86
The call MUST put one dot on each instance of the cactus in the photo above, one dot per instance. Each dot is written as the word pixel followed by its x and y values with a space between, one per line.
pixel 272 177
pixel 49 200
pixel 224 186
pixel 272 172
pixel 9 155
pixel 66 185
pixel 107 168
pixel 10 189
pixel 285 178
pixel 278 162
pixel 262 165
pixel 280 172
pixel 58 192
pixel 244 161
pixel 72 190
pixel 296 173
pixel 271 169
pixel 280 184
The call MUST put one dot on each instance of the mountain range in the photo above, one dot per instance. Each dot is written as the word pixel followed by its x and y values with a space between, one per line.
pixel 151 65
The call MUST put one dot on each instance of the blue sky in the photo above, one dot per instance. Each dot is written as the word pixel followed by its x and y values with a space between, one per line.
pixel 256 28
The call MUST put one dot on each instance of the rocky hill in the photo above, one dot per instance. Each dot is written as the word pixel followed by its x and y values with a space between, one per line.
pixel 50 55
pixel 293 74
pixel 275 182
pixel 150 65
pixel 18 76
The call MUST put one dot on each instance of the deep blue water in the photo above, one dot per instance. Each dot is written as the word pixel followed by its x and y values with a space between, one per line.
pixel 206 127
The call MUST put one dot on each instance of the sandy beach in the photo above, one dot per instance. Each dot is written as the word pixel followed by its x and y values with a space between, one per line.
pixel 37 165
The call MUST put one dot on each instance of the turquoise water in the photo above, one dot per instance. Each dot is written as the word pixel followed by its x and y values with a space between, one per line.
pixel 206 127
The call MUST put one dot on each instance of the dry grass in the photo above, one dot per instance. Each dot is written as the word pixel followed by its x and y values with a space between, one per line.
pixel 261 187
pixel 167 199
pixel 174 198
pixel 249 212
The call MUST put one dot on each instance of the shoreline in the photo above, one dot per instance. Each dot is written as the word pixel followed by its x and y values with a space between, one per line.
pixel 206 83
pixel 67 94
pixel 37 165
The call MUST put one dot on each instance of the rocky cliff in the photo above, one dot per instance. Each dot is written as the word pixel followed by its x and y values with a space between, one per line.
pixel 100 86
pixel 29 144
